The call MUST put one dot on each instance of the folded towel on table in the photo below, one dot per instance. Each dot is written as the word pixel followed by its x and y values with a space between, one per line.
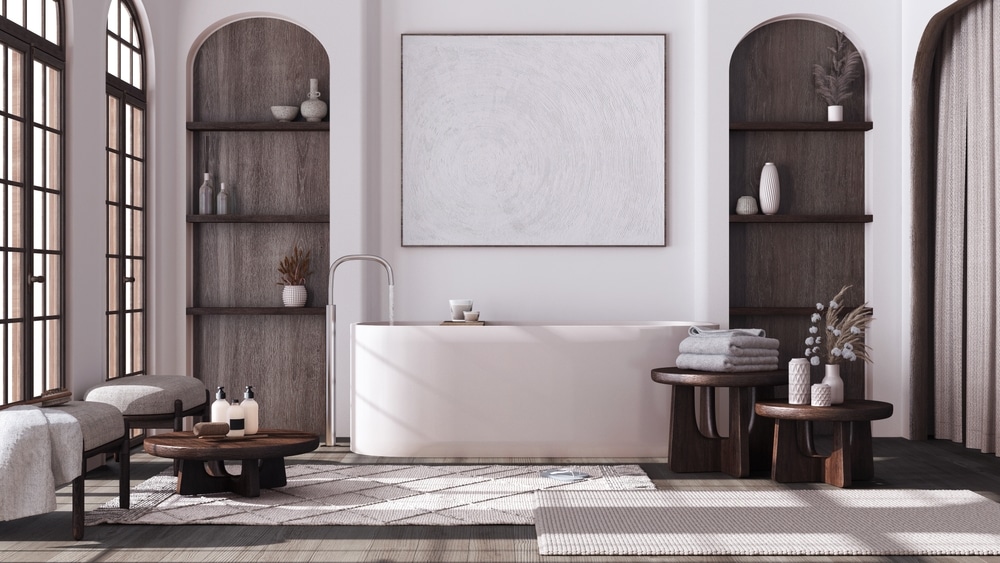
pixel 698 331
pixel 734 345
pixel 720 362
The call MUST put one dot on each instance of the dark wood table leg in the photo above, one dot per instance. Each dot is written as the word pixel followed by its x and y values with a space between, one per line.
pixel 837 466
pixel 761 433
pixel 690 450
pixel 272 473
pixel 248 482
pixel 862 455
pixel 193 479
pixel 736 448
pixel 789 463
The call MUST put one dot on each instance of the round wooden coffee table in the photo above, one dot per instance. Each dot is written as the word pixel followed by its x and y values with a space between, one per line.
pixel 202 467
pixel 851 457
pixel 748 445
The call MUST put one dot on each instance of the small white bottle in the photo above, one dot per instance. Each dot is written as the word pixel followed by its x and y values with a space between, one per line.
pixel 222 200
pixel 251 410
pixel 237 422
pixel 206 196
pixel 220 408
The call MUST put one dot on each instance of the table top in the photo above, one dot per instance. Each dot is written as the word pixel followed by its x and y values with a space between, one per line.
pixel 693 377
pixel 849 410
pixel 267 443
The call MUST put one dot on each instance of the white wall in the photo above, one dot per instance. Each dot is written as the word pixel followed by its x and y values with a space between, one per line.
pixel 686 280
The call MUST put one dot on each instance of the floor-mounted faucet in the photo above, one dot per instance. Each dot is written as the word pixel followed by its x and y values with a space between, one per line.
pixel 331 338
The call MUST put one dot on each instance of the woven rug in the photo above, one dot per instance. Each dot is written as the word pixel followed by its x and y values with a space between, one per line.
pixel 370 495
pixel 774 522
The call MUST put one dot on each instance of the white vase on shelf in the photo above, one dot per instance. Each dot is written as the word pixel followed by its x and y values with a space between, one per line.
pixel 798 381
pixel 834 113
pixel 770 191
pixel 313 109
pixel 294 295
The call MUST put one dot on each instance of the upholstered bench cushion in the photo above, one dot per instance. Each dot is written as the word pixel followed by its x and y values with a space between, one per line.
pixel 149 394
pixel 100 423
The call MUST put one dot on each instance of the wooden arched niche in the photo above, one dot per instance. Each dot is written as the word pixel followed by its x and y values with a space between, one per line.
pixel 781 265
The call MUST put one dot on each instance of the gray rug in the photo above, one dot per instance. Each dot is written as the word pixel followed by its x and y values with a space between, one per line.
pixel 370 495
pixel 773 522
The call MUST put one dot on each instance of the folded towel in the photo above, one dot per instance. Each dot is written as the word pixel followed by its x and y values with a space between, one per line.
pixel 698 331
pixel 709 362
pixel 733 345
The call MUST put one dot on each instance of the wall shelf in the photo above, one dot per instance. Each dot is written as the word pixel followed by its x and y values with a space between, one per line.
pixel 801 126
pixel 256 311
pixel 800 218
pixel 777 311
pixel 258 125
pixel 258 218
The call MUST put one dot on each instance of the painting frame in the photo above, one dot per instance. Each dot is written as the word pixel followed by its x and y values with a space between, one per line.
pixel 533 140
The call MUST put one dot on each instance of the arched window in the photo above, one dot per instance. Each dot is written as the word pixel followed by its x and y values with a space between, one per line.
pixel 126 197
pixel 33 64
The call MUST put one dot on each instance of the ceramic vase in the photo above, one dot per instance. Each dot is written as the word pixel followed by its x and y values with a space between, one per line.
pixel 294 295
pixel 834 113
pixel 770 192
pixel 820 395
pixel 832 378
pixel 798 381
pixel 746 205
pixel 313 109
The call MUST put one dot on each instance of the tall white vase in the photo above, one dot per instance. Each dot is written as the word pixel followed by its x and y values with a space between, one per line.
pixel 313 109
pixel 770 192
pixel 799 384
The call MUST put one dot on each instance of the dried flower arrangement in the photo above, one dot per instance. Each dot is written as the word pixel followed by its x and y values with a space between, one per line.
pixel 294 268
pixel 834 86
pixel 844 336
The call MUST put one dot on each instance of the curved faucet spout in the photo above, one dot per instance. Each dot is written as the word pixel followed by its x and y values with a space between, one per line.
pixel 331 337
pixel 350 257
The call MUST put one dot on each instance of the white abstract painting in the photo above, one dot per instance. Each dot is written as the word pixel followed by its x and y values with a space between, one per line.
pixel 533 140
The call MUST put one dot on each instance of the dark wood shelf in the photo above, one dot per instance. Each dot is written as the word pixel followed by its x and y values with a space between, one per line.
pixel 778 311
pixel 258 125
pixel 801 126
pixel 256 310
pixel 800 218
pixel 258 218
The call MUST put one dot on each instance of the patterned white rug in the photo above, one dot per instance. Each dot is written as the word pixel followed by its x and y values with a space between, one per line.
pixel 370 495
pixel 773 522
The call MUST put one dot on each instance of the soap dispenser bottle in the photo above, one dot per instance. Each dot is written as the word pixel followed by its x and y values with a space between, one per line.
pixel 220 408
pixel 251 410
pixel 237 421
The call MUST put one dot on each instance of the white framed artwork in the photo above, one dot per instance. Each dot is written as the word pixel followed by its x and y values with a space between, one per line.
pixel 533 140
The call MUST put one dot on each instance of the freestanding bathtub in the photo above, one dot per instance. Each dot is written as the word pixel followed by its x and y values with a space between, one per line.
pixel 511 389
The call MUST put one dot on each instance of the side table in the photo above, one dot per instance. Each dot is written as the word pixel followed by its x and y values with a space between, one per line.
pixel 851 457
pixel 748 445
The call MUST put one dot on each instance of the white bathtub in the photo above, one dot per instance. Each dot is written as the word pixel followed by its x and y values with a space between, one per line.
pixel 511 389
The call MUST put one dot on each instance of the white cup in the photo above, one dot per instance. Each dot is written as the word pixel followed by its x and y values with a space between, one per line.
pixel 471 316
pixel 459 307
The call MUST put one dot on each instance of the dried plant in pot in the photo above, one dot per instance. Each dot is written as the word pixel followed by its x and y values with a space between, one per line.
pixel 834 85
pixel 294 269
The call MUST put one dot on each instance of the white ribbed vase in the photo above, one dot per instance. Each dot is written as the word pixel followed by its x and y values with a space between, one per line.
pixel 798 381
pixel 770 192
pixel 294 295
pixel 821 395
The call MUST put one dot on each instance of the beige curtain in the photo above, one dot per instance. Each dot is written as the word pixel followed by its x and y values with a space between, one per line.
pixel 966 309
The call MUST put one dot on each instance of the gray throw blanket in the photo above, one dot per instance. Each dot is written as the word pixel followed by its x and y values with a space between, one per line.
pixel 40 449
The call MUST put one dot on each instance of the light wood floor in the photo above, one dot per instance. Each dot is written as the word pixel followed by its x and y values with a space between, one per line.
pixel 899 464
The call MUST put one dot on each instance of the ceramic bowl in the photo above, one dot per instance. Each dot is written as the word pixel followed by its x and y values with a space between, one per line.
pixel 284 113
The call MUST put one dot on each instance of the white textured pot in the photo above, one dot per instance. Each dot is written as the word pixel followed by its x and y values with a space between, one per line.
pixel 834 113
pixel 770 192
pixel 294 295
pixel 832 378
pixel 798 381
pixel 746 205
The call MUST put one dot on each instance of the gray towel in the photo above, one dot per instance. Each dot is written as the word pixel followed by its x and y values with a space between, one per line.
pixel 732 345
pixel 698 331
pixel 718 362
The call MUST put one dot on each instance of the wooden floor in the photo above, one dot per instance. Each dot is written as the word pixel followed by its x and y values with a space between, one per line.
pixel 899 464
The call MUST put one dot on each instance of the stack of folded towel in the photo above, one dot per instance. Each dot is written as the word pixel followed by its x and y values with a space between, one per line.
pixel 735 350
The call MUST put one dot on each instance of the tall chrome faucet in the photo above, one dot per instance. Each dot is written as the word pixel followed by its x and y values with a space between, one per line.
pixel 331 337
